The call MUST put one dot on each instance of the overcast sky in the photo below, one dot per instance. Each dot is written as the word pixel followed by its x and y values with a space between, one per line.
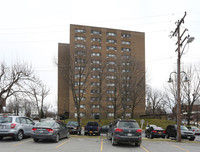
pixel 30 31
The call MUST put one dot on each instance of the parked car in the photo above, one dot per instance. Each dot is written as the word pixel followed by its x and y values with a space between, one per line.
pixel 155 132
pixel 147 127
pixel 15 126
pixel 92 128
pixel 171 131
pixel 125 131
pixel 104 129
pixel 73 127
pixel 50 130
pixel 194 129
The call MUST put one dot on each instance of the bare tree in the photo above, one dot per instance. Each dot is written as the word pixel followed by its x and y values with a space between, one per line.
pixel 75 72
pixel 191 90
pixel 12 80
pixel 155 97
pixel 37 92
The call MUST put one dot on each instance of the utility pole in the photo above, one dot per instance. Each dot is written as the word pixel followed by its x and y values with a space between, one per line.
pixel 179 43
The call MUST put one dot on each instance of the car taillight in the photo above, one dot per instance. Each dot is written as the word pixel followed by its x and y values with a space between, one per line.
pixel 34 129
pixel 118 130
pixel 97 128
pixel 139 130
pixel 12 126
pixel 50 130
pixel 164 132
pixel 193 130
pixel 154 131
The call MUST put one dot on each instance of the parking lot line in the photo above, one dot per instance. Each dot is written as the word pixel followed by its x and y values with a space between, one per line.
pixel 144 148
pixel 101 144
pixel 23 142
pixel 62 143
pixel 181 148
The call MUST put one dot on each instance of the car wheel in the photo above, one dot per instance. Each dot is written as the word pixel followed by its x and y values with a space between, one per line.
pixel 114 143
pixel 68 135
pixel 167 136
pixel 36 140
pixel 192 139
pixel 108 137
pixel 57 138
pixel 19 135
pixel 151 136
pixel 85 133
pixel 1 138
pixel 137 144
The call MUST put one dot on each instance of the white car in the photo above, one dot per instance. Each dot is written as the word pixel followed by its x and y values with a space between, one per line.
pixel 194 129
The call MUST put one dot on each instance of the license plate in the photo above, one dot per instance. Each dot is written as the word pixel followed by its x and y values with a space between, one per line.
pixel 189 137
pixel 91 131
pixel 40 131
pixel 129 134
pixel 159 132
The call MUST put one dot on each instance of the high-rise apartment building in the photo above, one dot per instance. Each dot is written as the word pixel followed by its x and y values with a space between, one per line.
pixel 108 68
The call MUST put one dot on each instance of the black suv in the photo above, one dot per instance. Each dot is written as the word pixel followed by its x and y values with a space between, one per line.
pixel 125 131
pixel 171 131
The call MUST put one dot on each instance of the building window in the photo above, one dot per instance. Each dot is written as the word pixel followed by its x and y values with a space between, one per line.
pixel 79 68
pixel 126 42
pixel 95 54
pixel 96 61
pixel 94 98
pixel 126 78
pixel 95 106
pixel 96 47
pixel 126 63
pixel 110 84
pixel 110 91
pixel 110 114
pixel 111 55
pixel 95 39
pixel 80 46
pixel 126 50
pixel 111 70
pixel 125 56
pixel 80 60
pixel 80 38
pixel 95 69
pixel 111 48
pixel 110 106
pixel 80 53
pixel 95 91
pixel 124 35
pixel 80 31
pixel 82 99
pixel 79 76
pixel 81 114
pixel 111 41
pixel 95 76
pixel 111 62
pixel 96 32
pixel 125 70
pixel 95 84
pixel 79 83
pixel 110 77
pixel 81 91
pixel 111 34
pixel 82 106
pixel 128 114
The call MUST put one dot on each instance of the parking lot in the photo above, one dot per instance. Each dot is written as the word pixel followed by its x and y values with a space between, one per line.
pixel 96 144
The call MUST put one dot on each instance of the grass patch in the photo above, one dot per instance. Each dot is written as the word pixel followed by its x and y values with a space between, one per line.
pixel 159 122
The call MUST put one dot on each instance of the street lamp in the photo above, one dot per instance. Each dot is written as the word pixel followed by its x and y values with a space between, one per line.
pixel 180 53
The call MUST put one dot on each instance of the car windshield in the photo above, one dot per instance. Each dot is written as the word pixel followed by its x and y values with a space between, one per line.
pixel 183 128
pixel 5 119
pixel 128 125
pixel 72 123
pixel 158 128
pixel 45 124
